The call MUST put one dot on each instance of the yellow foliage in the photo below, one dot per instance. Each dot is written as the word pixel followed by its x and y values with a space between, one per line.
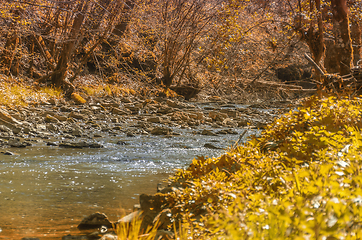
pixel 307 185
pixel 13 94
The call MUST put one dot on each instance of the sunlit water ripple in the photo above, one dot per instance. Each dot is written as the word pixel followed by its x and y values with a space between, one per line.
pixel 45 191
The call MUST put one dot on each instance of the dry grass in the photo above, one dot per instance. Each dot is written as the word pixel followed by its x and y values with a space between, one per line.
pixel 15 93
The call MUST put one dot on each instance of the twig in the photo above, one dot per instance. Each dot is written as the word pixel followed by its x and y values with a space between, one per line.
pixel 314 64
pixel 239 139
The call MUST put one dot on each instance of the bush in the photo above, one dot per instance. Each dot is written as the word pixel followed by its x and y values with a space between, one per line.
pixel 300 179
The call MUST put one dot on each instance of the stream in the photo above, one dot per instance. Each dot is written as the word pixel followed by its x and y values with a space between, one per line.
pixel 45 191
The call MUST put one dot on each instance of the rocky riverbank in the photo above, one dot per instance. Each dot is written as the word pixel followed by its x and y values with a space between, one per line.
pixel 82 125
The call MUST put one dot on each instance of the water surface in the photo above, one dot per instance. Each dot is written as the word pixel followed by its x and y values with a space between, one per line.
pixel 46 191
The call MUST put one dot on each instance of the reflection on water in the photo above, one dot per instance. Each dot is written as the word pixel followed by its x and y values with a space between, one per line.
pixel 46 191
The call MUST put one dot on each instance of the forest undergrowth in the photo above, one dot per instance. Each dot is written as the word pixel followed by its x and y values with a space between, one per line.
pixel 300 179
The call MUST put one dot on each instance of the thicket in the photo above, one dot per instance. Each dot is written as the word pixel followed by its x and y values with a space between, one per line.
pixel 300 179
pixel 185 45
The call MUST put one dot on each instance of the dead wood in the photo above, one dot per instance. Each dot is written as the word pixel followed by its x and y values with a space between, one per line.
pixel 277 86
pixel 44 51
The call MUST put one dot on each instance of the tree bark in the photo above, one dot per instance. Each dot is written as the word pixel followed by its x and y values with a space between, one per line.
pixel 356 39
pixel 9 53
pixel 58 79
pixel 342 36
pixel 314 38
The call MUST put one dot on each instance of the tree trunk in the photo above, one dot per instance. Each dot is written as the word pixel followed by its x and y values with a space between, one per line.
pixel 314 38
pixel 330 61
pixel 9 52
pixel 356 39
pixel 342 36
pixel 58 79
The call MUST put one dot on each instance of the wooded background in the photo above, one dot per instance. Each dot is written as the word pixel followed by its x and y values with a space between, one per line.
pixel 172 43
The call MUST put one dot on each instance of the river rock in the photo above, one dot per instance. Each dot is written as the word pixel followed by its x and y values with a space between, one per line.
pixel 66 144
pixel 131 133
pixel 179 116
pixel 65 109
pixel 217 116
pixel 109 236
pixel 211 146
pixel 207 133
pixel 52 144
pixel 120 111
pixel 230 112
pixel 86 112
pixel 164 109
pixel 133 108
pixel 70 237
pixel 95 220
pixel 114 120
pixel 51 119
pixel 125 100
pixel 243 122
pixel 18 143
pixel 4 115
pixel 13 127
pixel 60 117
pixel 77 116
pixel 196 116
pixel 8 153
pixel 18 116
pixel 161 131
pixel 51 127
pixel 229 122
pixel 5 129
pixel 77 132
pixel 227 131
pixel 154 119
pixel 179 105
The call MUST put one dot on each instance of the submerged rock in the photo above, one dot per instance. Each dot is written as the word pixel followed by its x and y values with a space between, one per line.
pixel 80 145
pixel 8 153
pixel 70 237
pixel 227 131
pixel 208 133
pixel 95 220
pixel 109 236
pixel 211 146
pixel 18 143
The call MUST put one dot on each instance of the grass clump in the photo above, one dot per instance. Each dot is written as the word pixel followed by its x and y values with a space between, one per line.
pixel 107 90
pixel 132 230
pixel 18 94
pixel 300 179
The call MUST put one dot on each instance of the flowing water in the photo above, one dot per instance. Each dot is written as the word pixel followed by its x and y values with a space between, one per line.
pixel 46 191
